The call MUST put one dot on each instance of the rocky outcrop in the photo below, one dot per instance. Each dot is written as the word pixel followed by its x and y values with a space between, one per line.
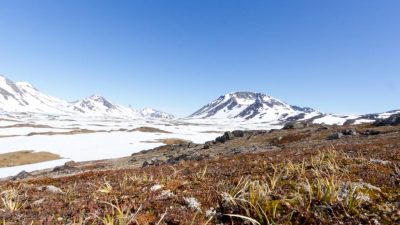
pixel 393 120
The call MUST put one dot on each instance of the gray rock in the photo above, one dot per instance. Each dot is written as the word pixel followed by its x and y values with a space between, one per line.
pixel 207 145
pixel 349 132
pixel 22 175
pixel 68 167
pixel 238 133
pixel 322 128
pixel 371 132
pixel 238 150
pixel 151 162
pixel 177 159
pixel 38 202
pixel 335 136
pixel 227 136
pixel 295 125
pixel 277 140
pixel 51 188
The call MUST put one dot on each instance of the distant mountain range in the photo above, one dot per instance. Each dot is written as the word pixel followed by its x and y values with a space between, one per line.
pixel 22 97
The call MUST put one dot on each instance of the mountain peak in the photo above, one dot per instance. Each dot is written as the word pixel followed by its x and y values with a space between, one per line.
pixel 23 84
pixel 96 97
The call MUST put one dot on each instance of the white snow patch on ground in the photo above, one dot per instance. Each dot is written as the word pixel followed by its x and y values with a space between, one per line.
pixel 11 171
pixel 93 146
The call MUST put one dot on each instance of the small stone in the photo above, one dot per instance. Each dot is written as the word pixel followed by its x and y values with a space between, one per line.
pixel 192 203
pixel 166 194
pixel 207 145
pixel 51 188
pixel 155 187
pixel 38 202
pixel 211 212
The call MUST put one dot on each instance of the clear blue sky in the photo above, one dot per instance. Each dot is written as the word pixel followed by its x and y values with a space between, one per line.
pixel 335 56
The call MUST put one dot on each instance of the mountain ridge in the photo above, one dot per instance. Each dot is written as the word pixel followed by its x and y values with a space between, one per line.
pixel 243 106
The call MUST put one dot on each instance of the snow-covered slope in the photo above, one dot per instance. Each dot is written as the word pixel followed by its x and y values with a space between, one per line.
pixel 21 97
pixel 253 107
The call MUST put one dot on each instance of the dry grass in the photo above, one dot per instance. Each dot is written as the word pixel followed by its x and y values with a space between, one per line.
pixel 169 141
pixel 27 125
pixel 330 183
pixel 150 130
pixel 72 132
pixel 11 200
pixel 25 157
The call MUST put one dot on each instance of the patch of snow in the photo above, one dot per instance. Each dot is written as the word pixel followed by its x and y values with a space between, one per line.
pixel 11 171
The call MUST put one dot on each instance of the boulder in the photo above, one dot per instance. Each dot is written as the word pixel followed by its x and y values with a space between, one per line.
pixel 22 175
pixel 238 133
pixel 68 167
pixel 349 132
pixel 151 162
pixel 51 188
pixel 207 145
pixel 371 132
pixel 335 136
pixel 227 136
pixel 296 125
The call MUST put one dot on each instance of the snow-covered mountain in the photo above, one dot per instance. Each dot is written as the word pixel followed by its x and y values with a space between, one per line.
pixel 152 113
pixel 260 108
pixel 254 107
pixel 22 97
pixel 98 105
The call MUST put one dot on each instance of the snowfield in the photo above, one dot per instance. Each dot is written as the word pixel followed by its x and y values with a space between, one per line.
pixel 105 138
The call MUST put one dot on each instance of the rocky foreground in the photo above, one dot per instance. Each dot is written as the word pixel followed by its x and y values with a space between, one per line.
pixel 301 174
